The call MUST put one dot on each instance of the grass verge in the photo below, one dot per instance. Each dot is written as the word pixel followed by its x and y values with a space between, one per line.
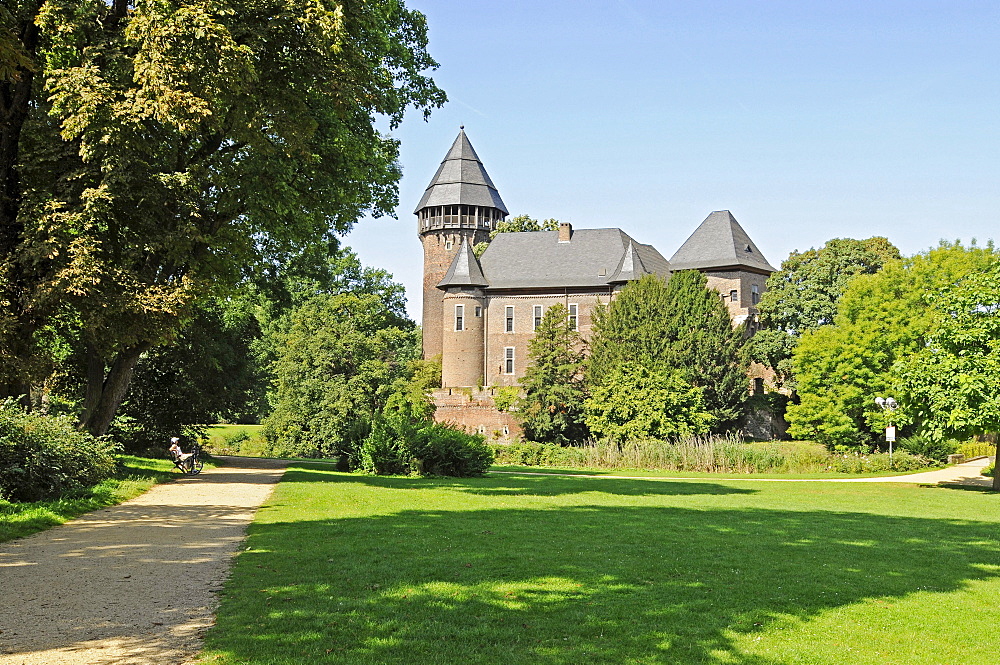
pixel 137 475
pixel 342 568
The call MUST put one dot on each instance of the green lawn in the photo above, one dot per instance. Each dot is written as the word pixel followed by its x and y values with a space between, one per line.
pixel 341 568
pixel 136 476
pixel 234 439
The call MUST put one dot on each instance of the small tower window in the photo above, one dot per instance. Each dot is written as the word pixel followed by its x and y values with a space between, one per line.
pixel 509 319
pixel 733 296
pixel 447 245
pixel 479 312
pixel 459 317
pixel 537 318
pixel 572 316
pixel 508 360
pixel 754 294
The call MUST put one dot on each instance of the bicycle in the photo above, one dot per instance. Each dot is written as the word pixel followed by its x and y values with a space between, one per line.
pixel 190 464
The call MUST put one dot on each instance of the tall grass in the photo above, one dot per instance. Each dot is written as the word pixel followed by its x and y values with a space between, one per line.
pixel 713 454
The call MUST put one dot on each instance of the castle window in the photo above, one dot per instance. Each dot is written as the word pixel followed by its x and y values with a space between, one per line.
pixel 459 317
pixel 537 317
pixel 508 360
pixel 447 245
pixel 509 320
pixel 572 316
pixel 733 296
pixel 754 294
pixel 479 312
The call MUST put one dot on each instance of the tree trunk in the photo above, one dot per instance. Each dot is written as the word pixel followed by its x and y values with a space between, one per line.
pixel 104 399
pixel 996 468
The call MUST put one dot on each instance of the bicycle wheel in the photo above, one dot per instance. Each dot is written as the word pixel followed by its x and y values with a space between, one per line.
pixel 196 466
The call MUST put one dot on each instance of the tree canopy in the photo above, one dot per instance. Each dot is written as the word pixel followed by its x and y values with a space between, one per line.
pixel 881 318
pixel 803 295
pixel 551 410
pixel 154 152
pixel 517 224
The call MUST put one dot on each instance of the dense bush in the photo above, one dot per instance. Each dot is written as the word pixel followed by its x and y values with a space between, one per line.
pixel 446 451
pixel 42 456
pixel 990 469
pixel 973 449
pixel 928 447
pixel 877 462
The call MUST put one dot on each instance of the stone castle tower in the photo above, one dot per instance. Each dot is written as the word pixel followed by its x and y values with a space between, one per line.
pixel 459 208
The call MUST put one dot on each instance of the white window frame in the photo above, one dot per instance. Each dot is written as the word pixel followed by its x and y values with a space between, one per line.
pixel 459 317
pixel 734 295
pixel 508 324
pixel 573 317
pixel 754 294
pixel 508 360
pixel 537 315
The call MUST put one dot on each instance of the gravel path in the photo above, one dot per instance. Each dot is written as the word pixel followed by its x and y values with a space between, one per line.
pixel 131 584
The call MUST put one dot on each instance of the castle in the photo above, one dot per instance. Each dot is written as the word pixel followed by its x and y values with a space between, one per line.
pixel 480 313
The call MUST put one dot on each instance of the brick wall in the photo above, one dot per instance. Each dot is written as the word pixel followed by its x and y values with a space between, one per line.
pixel 474 411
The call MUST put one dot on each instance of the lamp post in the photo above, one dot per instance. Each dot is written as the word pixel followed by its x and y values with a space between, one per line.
pixel 889 405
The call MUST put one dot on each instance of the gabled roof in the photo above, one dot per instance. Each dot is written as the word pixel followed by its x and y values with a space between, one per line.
pixel 461 179
pixel 464 269
pixel 719 242
pixel 592 258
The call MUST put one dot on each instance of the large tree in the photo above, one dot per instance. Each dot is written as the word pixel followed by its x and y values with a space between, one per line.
pixel 881 318
pixel 803 295
pixel 518 224
pixel 951 386
pixel 551 410
pixel 152 152
pixel 676 326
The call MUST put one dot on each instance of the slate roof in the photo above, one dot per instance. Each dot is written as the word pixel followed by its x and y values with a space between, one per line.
pixel 464 269
pixel 461 179
pixel 592 258
pixel 719 242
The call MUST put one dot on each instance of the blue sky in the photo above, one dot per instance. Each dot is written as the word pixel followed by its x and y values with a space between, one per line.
pixel 808 120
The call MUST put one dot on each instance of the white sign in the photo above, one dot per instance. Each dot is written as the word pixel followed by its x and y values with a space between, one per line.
pixel 890 433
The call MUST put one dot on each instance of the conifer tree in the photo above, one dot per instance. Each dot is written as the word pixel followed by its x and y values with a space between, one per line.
pixel 676 326
pixel 552 406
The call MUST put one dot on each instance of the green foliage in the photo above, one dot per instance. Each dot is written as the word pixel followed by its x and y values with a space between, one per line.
pixel 971 449
pixel 951 385
pixel 517 224
pixel 856 462
pixel 338 361
pixel 442 450
pixel 44 456
pixel 803 295
pixel 990 470
pixel 928 447
pixel 677 326
pixel 551 410
pixel 505 397
pixel 135 155
pixel 642 403
pixel 880 318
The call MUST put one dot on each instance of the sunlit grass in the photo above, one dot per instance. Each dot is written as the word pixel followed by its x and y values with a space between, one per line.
pixel 137 475
pixel 341 568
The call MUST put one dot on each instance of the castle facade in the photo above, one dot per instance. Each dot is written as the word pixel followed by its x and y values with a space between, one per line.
pixel 480 313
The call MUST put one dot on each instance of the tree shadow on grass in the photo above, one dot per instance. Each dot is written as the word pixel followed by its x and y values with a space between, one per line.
pixel 573 584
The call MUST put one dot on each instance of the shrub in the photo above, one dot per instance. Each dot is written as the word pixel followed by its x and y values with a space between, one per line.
pixel 928 447
pixel 43 456
pixel 877 462
pixel 442 450
pixel 973 449
pixel 990 469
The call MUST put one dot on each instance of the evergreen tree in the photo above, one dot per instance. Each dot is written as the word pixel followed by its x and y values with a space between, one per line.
pixel 677 326
pixel 703 345
pixel 552 407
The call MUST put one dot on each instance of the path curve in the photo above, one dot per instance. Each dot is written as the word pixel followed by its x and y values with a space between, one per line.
pixel 133 584
pixel 967 473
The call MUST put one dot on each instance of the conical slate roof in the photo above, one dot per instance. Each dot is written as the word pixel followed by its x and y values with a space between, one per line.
pixel 461 179
pixel 719 242
pixel 464 269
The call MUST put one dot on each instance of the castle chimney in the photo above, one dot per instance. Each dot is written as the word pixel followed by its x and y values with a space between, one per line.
pixel 565 231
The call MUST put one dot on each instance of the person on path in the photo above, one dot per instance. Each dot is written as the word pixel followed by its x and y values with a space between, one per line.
pixel 178 454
